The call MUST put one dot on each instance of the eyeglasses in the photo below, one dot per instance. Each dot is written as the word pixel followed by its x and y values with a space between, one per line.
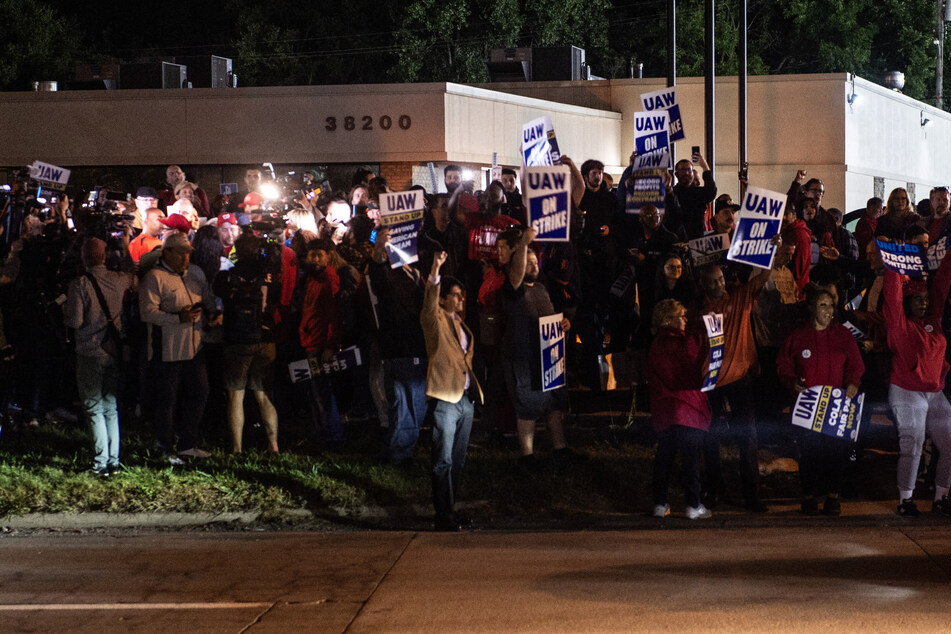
pixel 816 191
pixel 650 215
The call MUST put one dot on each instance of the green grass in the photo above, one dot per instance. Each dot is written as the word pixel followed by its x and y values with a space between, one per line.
pixel 44 469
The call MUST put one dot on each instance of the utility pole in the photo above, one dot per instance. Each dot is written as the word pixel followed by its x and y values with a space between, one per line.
pixel 939 69
pixel 672 56
pixel 709 83
pixel 741 81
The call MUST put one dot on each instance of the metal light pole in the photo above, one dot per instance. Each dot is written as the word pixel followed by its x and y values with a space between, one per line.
pixel 708 84
pixel 672 57
pixel 741 81
pixel 939 69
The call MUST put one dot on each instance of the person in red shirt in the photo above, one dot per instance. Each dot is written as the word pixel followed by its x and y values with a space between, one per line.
pixel 320 331
pixel 796 232
pixel 865 227
pixel 679 410
pixel 913 325
pixel 821 352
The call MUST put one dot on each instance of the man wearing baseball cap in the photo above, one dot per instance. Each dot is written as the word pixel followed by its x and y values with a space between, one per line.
pixel 228 232
pixel 173 297
pixel 145 198
pixel 93 301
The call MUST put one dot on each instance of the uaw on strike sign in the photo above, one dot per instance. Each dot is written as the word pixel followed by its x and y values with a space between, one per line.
pixel 547 190
pixel 49 176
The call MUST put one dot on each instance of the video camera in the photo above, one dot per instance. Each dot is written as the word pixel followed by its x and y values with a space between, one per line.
pixel 283 191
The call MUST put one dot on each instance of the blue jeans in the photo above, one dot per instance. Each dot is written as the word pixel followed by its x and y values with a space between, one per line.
pixel 97 379
pixel 452 423
pixel 405 382
pixel 325 404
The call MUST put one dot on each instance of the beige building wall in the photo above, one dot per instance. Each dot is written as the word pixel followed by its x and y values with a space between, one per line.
pixel 794 122
pixel 412 123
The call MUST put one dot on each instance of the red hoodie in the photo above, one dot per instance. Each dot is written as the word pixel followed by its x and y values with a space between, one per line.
pixel 677 362
pixel 320 316
pixel 798 234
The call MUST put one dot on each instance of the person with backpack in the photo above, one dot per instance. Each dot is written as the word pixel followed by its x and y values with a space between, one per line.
pixel 250 349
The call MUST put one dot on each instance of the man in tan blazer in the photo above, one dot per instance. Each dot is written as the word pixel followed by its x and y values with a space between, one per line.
pixel 449 383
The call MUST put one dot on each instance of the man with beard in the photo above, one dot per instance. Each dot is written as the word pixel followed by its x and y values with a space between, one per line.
pixel 524 301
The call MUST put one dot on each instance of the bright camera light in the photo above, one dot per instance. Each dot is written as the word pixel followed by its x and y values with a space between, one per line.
pixel 270 191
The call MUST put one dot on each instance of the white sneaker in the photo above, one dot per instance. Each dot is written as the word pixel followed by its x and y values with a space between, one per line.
pixel 194 452
pixel 662 510
pixel 698 513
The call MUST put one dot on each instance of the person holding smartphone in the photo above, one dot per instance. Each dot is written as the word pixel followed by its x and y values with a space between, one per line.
pixel 694 200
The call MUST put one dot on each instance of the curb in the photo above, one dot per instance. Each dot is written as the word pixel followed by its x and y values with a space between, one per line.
pixel 130 520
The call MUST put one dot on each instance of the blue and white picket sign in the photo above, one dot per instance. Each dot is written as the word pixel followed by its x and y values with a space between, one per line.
pixel 548 191
pixel 903 258
pixel 714 326
pixel 651 140
pixel 49 176
pixel 552 340
pixel 826 410
pixel 539 145
pixel 760 218
pixel 666 99
pixel 648 188
pixel 709 249
pixel 305 369
pixel 402 214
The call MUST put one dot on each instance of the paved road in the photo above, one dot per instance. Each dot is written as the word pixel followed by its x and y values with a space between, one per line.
pixel 680 579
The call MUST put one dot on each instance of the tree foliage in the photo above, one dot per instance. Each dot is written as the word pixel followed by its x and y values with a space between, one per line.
pixel 359 41
pixel 36 43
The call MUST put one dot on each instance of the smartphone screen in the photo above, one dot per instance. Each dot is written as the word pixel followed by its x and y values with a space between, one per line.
pixel 373 236
pixel 694 151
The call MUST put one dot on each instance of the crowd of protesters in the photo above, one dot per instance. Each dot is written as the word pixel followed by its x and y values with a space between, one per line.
pixel 171 307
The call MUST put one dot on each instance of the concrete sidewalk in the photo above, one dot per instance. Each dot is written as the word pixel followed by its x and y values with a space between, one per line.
pixel 769 580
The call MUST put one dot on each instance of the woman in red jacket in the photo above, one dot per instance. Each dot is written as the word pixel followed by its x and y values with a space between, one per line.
pixel 679 410
pixel 821 352
pixel 913 325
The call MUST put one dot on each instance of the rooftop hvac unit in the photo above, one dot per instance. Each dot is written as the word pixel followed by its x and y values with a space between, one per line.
pixel 153 75
pixel 95 77
pixel 558 63
pixel 510 64
pixel 208 71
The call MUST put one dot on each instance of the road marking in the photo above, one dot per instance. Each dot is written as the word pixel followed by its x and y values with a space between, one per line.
pixel 19 607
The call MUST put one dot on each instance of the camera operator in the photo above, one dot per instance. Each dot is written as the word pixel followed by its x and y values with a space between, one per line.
pixel 246 291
